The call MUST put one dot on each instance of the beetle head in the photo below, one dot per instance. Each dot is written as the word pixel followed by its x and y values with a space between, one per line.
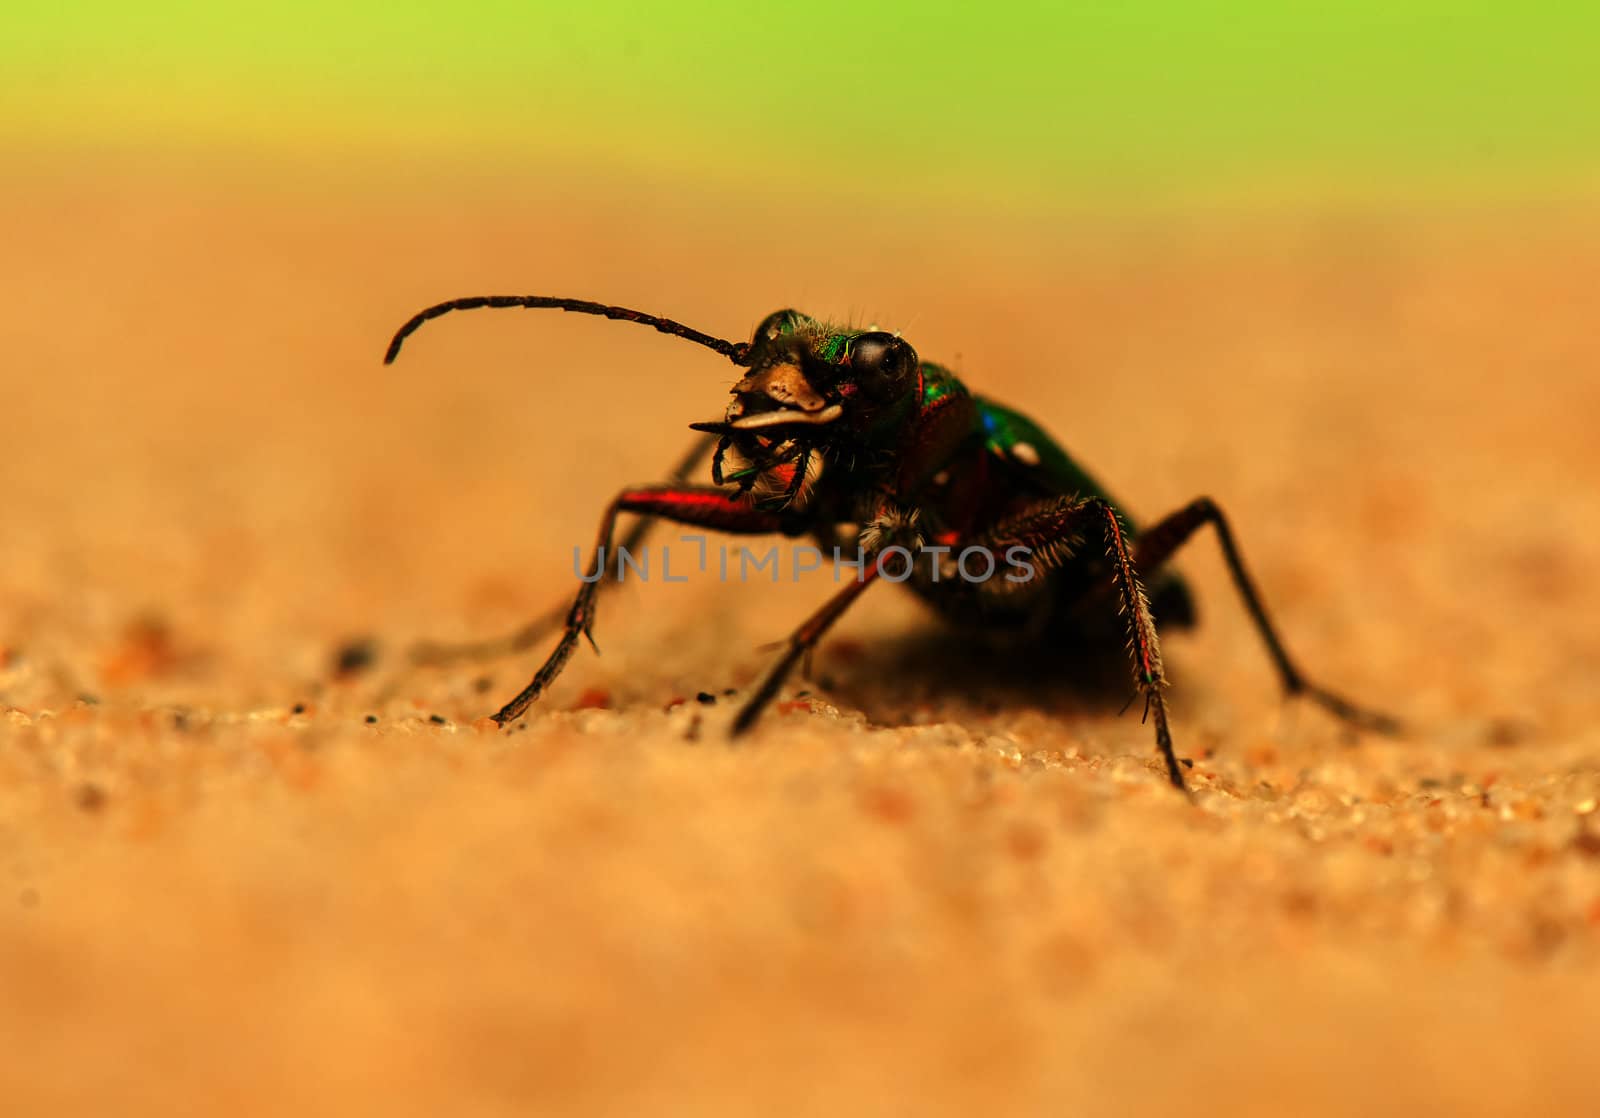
pixel 814 388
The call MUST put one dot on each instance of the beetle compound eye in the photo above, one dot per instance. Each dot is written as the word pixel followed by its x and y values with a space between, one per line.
pixel 882 364
pixel 776 325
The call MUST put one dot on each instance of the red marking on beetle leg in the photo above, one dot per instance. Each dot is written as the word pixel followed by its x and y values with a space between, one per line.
pixel 697 508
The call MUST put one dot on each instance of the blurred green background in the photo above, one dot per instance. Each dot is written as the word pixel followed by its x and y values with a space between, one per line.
pixel 1023 105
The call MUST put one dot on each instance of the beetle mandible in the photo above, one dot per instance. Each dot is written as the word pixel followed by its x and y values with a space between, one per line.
pixel 847 435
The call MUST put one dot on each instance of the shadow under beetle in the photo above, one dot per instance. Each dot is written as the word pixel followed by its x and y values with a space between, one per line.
pixel 847 435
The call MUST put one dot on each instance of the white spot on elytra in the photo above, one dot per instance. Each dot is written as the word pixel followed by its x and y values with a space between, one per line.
pixel 1025 453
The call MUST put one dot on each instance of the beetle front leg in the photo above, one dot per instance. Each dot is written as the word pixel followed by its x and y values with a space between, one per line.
pixel 434 654
pixel 693 506
pixel 1155 546
pixel 801 642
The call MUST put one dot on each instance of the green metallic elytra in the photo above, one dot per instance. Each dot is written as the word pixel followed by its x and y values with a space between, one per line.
pixel 1029 450
pixel 1006 430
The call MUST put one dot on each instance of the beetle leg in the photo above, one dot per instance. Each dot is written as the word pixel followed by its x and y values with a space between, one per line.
pixel 1156 545
pixel 801 642
pixel 695 506
pixel 435 653
pixel 1064 524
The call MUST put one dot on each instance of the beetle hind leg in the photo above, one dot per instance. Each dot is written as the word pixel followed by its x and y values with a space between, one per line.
pixel 1162 539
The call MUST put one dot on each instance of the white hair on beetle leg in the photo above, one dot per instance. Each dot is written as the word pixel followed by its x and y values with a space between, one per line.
pixel 893 527
pixel 772 483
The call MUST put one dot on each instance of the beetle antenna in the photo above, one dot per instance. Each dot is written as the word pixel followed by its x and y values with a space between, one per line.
pixel 737 352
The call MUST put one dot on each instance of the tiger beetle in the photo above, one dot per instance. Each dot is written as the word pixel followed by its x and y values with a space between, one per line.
pixel 846 434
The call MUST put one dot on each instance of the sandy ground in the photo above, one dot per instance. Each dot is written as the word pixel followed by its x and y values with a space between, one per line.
pixel 234 882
